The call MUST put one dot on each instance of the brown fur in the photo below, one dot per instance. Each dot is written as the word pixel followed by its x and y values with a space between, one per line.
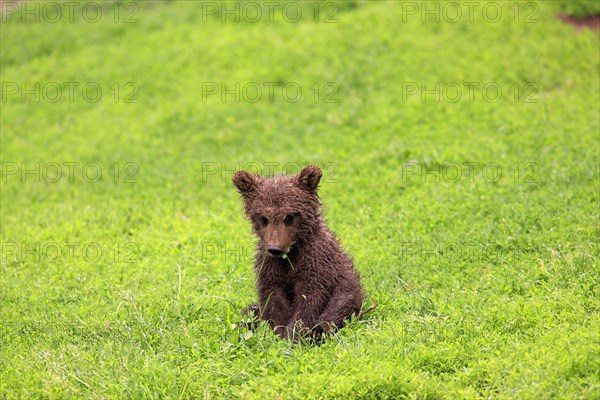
pixel 306 283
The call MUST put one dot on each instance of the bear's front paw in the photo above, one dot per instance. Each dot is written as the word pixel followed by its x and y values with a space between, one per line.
pixel 314 334
pixel 296 330
pixel 283 332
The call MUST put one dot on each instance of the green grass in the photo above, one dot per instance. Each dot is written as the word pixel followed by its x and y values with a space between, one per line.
pixel 486 288
pixel 580 9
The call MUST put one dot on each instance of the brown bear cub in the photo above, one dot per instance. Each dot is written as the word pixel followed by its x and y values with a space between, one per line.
pixel 306 283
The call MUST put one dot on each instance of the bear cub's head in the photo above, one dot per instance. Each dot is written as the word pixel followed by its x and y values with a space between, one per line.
pixel 284 210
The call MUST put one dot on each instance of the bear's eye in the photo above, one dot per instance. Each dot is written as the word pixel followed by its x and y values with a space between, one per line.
pixel 264 221
pixel 288 219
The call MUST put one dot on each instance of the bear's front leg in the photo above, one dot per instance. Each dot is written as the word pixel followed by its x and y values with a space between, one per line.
pixel 276 309
pixel 305 316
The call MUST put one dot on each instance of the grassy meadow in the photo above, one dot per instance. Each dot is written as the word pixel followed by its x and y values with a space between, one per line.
pixel 460 149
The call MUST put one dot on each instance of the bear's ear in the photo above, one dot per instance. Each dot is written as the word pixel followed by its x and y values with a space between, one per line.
pixel 245 182
pixel 308 179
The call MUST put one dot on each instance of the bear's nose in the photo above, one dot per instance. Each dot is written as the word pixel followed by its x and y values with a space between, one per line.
pixel 275 251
